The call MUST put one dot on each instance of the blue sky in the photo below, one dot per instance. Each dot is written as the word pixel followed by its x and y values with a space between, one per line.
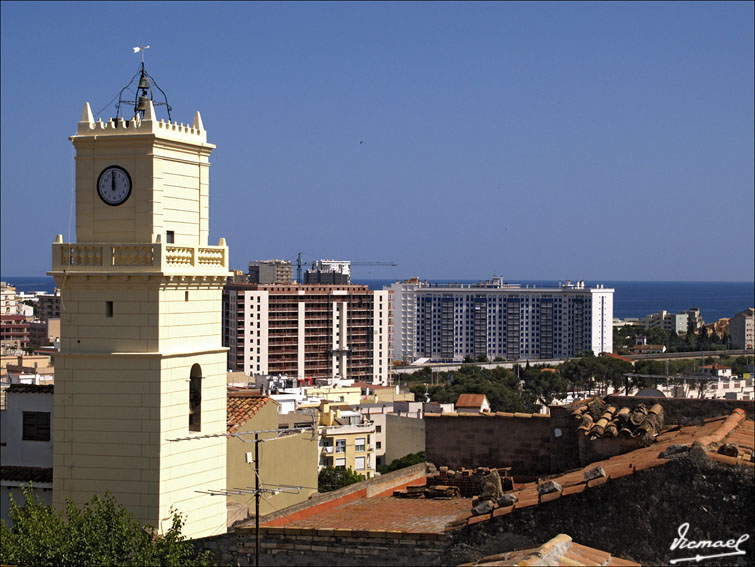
pixel 597 141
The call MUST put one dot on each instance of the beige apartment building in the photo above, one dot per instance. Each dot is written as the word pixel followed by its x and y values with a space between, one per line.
pixel 308 331
pixel 346 439
pixel 140 384
pixel 287 459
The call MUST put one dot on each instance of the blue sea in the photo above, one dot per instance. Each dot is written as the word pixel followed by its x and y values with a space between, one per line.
pixel 631 299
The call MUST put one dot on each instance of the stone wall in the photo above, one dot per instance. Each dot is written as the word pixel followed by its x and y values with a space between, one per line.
pixel 281 546
pixel 564 438
pixel 564 453
pixel 687 411
pixel 635 517
pixel 517 440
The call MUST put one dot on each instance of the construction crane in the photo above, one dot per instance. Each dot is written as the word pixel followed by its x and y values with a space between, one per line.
pixel 300 262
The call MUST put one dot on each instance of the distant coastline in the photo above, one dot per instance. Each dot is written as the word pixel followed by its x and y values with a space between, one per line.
pixel 631 298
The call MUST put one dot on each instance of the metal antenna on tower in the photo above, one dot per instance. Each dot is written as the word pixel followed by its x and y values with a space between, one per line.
pixel 144 93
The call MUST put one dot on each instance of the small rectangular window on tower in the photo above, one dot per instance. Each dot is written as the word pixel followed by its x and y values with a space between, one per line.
pixel 170 237
pixel 108 309
pixel 186 296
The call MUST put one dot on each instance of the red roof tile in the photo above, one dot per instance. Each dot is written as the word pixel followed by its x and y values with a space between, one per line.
pixel 710 435
pixel 241 407
pixel 560 550
pixel 381 513
pixel 470 400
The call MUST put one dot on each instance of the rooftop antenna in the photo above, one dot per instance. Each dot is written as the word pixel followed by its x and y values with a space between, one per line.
pixel 143 94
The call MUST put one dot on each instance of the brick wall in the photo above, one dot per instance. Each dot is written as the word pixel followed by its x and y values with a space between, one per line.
pixel 519 441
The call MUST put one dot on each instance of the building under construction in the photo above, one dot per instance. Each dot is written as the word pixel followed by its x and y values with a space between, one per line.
pixel 308 331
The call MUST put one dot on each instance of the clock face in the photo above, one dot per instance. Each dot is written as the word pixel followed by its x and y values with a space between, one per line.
pixel 114 185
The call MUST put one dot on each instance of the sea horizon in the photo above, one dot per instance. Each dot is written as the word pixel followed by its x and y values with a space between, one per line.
pixel 632 298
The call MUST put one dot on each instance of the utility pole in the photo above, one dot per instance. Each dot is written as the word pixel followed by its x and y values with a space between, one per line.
pixel 257 490
pixel 257 499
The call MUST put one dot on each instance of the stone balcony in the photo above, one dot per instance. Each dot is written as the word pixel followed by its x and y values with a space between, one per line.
pixel 156 258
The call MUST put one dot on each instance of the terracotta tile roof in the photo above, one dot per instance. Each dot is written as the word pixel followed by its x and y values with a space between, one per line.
pixel 242 406
pixel 715 367
pixel 386 513
pixel 26 474
pixel 600 419
pixel 470 400
pixel 710 436
pixel 560 550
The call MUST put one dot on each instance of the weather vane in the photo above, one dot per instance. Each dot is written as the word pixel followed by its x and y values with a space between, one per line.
pixel 138 49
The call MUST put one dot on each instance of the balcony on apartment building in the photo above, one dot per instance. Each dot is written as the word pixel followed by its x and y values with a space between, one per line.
pixel 335 430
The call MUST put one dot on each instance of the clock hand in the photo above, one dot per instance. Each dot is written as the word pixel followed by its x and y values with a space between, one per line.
pixel 112 181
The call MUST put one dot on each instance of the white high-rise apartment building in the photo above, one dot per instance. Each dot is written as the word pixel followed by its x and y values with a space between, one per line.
pixel 498 320
pixel 404 308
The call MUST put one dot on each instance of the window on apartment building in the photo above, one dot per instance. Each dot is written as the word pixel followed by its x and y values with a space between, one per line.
pixel 359 444
pixel 195 398
pixel 108 309
pixel 340 463
pixel 378 428
pixel 36 426
pixel 359 463
pixel 170 236
pixel 378 444
pixel 340 446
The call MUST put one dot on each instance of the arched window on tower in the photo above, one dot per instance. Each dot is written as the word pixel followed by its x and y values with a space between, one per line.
pixel 195 398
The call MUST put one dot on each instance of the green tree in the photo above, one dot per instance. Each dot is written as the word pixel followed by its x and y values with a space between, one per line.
pixel 541 383
pixel 500 386
pixel 739 365
pixel 331 478
pixel 419 391
pixel 100 533
pixel 403 462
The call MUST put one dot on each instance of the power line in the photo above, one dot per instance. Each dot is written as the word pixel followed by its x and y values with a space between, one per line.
pixel 258 490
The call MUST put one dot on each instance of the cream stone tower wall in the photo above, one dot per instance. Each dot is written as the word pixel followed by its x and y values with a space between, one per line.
pixel 137 314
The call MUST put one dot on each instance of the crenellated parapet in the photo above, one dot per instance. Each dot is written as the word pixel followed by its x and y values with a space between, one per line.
pixel 149 124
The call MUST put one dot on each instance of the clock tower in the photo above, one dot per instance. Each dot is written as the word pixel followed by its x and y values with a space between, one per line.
pixel 140 384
